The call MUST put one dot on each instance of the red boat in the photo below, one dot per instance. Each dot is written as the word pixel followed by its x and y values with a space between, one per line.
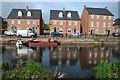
pixel 42 44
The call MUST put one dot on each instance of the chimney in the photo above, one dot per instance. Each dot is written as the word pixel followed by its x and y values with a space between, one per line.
pixel 84 6
pixel 105 7
pixel 63 9
pixel 27 8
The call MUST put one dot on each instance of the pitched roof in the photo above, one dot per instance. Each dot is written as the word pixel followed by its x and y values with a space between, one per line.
pixel 35 14
pixel 117 22
pixel 54 14
pixel 99 11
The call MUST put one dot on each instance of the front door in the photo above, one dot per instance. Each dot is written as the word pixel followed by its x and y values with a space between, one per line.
pixel 108 32
pixel 91 32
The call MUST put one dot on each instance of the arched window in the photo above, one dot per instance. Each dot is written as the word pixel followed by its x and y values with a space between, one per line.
pixel 97 24
pixel 28 13
pixel 60 14
pixel 91 24
pixel 69 15
pixel 19 13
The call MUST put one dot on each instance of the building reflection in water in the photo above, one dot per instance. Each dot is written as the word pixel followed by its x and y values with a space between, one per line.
pixel 87 56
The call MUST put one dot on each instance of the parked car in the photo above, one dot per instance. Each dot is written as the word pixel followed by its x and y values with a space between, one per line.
pixel 75 35
pixel 116 34
pixel 56 34
pixel 10 33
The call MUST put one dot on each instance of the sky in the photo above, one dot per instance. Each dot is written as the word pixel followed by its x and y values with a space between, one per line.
pixel 47 6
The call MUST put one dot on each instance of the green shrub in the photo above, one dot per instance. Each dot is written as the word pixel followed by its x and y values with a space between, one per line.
pixel 106 70
pixel 30 70
pixel 5 65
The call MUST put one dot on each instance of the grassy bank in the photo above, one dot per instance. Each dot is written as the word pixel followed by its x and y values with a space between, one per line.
pixel 107 70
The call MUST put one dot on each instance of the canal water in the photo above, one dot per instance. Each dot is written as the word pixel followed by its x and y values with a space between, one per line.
pixel 76 61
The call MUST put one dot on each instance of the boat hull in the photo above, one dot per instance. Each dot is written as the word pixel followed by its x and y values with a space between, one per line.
pixel 42 44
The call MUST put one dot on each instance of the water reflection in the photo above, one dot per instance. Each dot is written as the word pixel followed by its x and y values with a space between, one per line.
pixel 75 60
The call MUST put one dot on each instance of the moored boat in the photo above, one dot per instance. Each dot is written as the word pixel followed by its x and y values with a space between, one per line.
pixel 42 44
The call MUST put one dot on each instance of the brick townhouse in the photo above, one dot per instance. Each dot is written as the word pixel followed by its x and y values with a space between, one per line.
pixel 3 25
pixel 64 21
pixel 25 19
pixel 97 21
pixel 116 25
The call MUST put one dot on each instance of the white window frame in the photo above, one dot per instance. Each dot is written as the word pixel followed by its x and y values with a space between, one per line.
pixel 69 22
pixel 91 24
pixel 60 30
pixel 61 22
pixel 97 31
pixel 97 24
pixel 60 15
pixel 109 17
pixel 75 23
pixel 28 14
pixel 92 16
pixel 34 22
pixel 69 15
pixel 12 22
pixel 19 13
pixel 54 22
pixel 109 24
pixel 28 21
pixel 98 16
pixel 104 17
pixel 104 31
pixel 69 30
pixel 19 22
pixel 104 24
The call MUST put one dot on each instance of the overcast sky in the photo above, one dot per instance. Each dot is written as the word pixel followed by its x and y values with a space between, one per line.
pixel 47 6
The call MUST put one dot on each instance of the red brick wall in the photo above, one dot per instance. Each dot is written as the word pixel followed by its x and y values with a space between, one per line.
pixel 65 25
pixel 86 23
pixel 24 24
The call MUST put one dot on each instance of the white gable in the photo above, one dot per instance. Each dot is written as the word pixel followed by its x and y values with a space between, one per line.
pixel 28 13
pixel 19 13
pixel 69 15
pixel 60 14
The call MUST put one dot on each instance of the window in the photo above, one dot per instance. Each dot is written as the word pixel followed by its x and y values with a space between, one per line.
pixel 69 15
pixel 28 13
pixel 91 24
pixel 60 22
pixel 69 22
pixel 96 31
pixel 19 22
pixel 92 16
pixel 98 16
pixel 12 22
pixel 104 24
pixel 19 13
pixel 97 24
pixel 75 23
pixel 60 15
pixel 104 17
pixel 34 22
pixel 104 31
pixel 28 21
pixel 109 17
pixel 109 24
pixel 54 22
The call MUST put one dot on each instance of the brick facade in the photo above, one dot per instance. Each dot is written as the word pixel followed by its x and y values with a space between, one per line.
pixel 65 26
pixel 25 19
pixel 96 24
pixel 23 24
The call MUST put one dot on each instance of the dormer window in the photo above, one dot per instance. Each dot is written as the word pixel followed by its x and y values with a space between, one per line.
pixel 60 15
pixel 28 13
pixel 19 13
pixel 69 15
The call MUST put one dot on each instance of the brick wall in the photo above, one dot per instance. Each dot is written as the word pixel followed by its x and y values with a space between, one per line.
pixel 64 26
pixel 24 25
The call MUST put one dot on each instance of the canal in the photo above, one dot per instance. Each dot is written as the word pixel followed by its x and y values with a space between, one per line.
pixel 74 60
